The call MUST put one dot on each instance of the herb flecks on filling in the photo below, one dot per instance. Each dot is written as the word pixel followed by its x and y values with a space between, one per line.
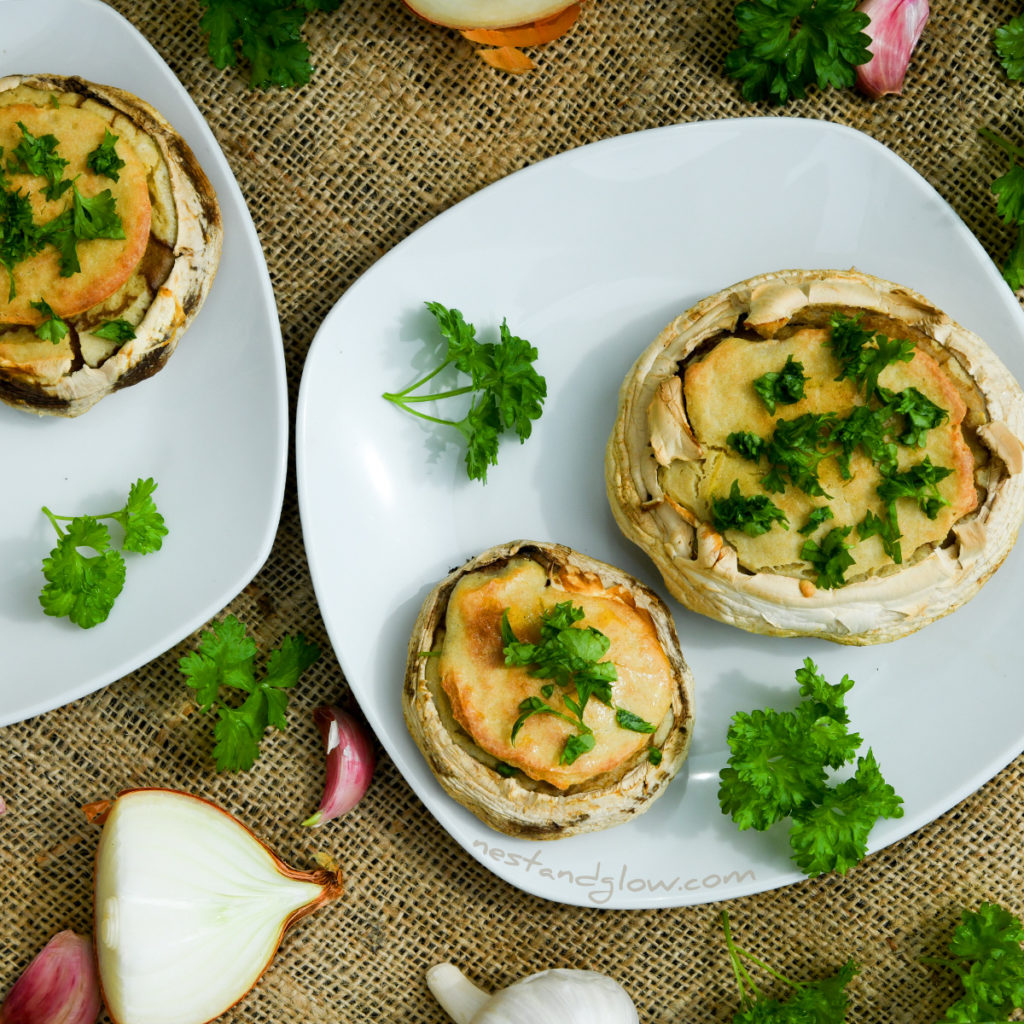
pixel 883 426
pixel 571 656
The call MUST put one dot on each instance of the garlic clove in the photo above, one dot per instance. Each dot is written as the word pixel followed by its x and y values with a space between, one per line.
pixel 563 995
pixel 58 987
pixel 350 764
pixel 190 908
pixel 895 28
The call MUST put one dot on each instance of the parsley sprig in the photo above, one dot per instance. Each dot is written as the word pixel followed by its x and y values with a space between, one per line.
pixel 225 660
pixel 1009 190
pixel 1009 40
pixel 84 587
pixel 508 393
pixel 777 769
pixel 813 1002
pixel 571 656
pixel 38 157
pixel 988 959
pixel 787 46
pixel 267 33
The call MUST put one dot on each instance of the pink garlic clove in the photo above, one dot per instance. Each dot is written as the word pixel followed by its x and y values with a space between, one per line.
pixel 60 986
pixel 350 763
pixel 896 26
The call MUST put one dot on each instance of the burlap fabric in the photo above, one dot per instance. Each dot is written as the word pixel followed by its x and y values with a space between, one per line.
pixel 401 121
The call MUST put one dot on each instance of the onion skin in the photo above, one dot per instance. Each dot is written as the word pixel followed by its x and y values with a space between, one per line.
pixel 60 986
pixel 350 764
pixel 896 26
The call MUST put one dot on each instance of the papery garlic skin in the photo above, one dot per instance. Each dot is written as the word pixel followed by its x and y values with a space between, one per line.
pixel 562 995
pixel 896 26
pixel 350 764
pixel 190 908
pixel 58 987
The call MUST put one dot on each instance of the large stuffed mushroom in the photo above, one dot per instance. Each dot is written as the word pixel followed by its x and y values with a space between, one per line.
pixel 462 700
pixel 112 236
pixel 819 453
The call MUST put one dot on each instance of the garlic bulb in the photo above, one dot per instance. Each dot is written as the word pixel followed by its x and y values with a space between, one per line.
pixel 190 908
pixel 566 996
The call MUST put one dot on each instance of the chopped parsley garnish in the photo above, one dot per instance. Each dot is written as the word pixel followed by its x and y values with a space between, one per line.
pixel 508 393
pixel 777 769
pixel 794 452
pixel 19 235
pixel 830 559
pixel 818 516
pixel 753 516
pixel 920 414
pixel 115 330
pixel 787 46
pixel 919 483
pixel 53 328
pixel 747 444
pixel 38 157
pixel 84 587
pixel 225 660
pixel 886 528
pixel 864 354
pixel 655 756
pixel 785 386
pixel 866 428
pixel 104 159
pixel 571 656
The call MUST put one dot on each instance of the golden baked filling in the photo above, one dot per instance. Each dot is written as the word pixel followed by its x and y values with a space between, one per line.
pixel 487 695
pixel 109 239
pixel 847 483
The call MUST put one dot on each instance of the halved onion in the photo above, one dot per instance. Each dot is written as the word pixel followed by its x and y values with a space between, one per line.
pixel 485 13
pixel 190 907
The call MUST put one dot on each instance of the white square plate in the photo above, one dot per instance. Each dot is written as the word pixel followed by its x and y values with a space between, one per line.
pixel 589 255
pixel 211 427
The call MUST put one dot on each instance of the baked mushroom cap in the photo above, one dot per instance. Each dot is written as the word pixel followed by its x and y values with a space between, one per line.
pixel 658 441
pixel 155 280
pixel 511 801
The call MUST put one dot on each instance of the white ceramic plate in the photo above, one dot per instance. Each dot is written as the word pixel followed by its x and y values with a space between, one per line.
pixel 589 255
pixel 211 428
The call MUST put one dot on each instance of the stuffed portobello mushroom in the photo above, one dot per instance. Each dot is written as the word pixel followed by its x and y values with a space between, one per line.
pixel 547 691
pixel 819 453
pixel 110 236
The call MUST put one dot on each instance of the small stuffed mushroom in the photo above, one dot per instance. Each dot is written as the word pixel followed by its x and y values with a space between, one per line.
pixel 493 699
pixel 819 453
pixel 115 237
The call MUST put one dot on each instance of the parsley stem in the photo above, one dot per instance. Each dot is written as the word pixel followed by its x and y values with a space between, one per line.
pixel 1017 152
pixel 424 416
pixel 747 986
pixel 432 397
pixel 392 395
pixel 53 520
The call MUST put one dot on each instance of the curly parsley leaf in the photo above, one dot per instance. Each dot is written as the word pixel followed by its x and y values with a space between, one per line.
pixel 752 515
pixel 785 386
pixel 79 586
pixel 508 393
pixel 104 159
pixel 84 587
pixel 833 835
pixel 747 445
pixel 1009 40
pixel 811 1002
pixel 225 659
pixel 267 33
pixel 830 559
pixel 53 328
pixel 778 768
pixel 1009 190
pixel 38 157
pixel 786 46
